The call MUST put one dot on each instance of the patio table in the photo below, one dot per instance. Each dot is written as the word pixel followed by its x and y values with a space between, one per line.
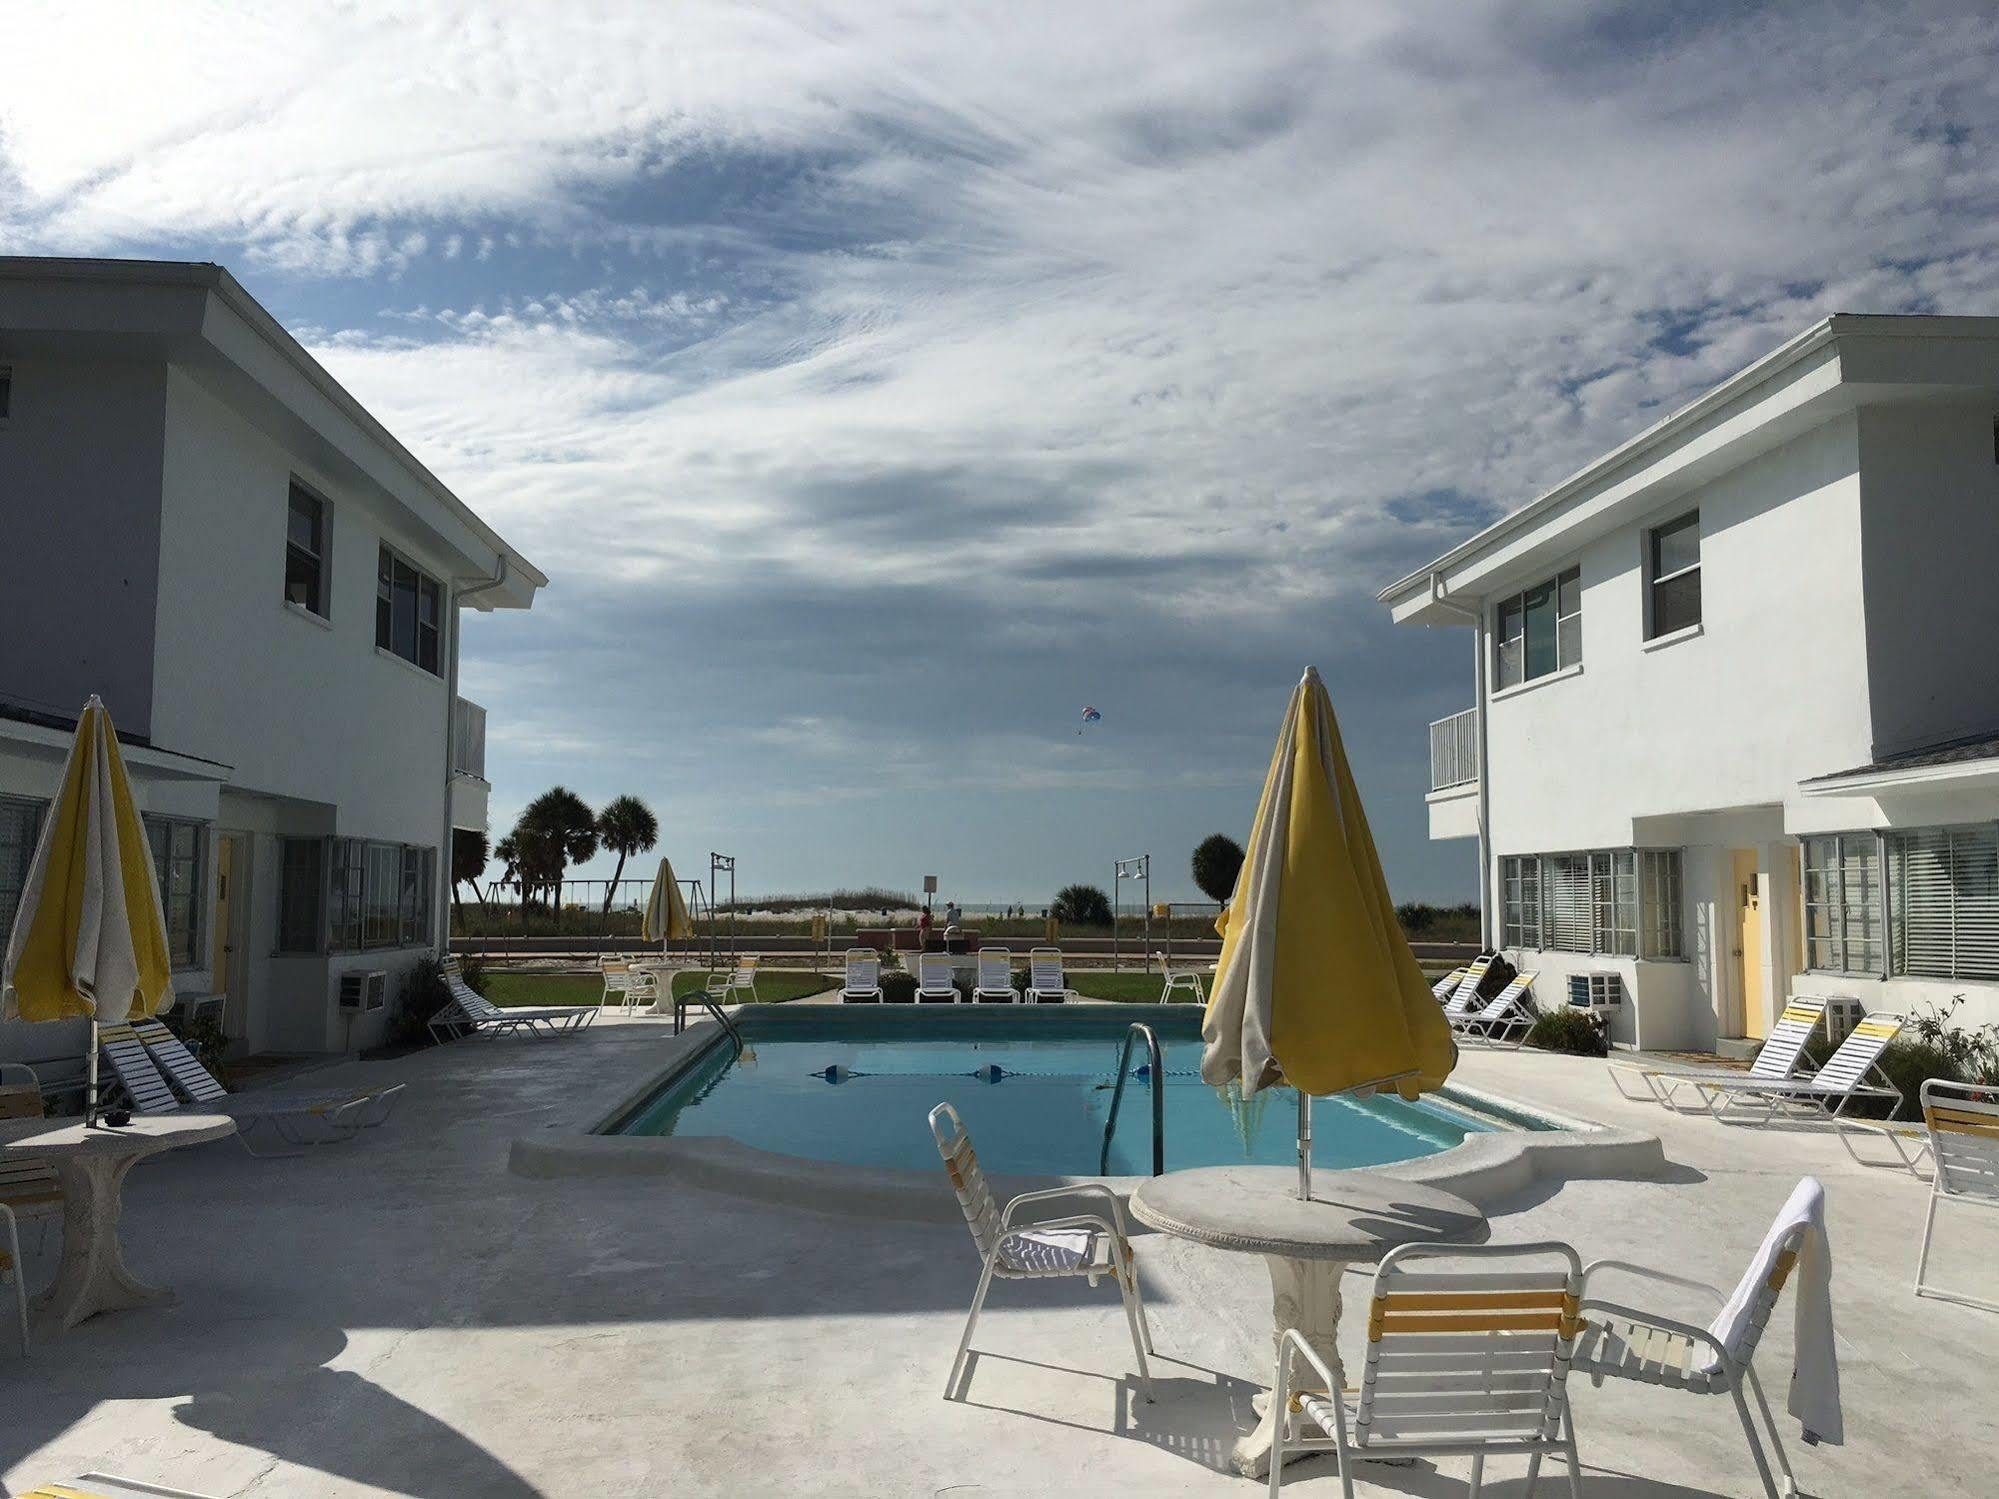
pixel 91 1165
pixel 1354 1217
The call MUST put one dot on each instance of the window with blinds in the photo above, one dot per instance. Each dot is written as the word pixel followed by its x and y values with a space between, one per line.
pixel 20 826
pixel 1617 902
pixel 1843 903
pixel 1945 898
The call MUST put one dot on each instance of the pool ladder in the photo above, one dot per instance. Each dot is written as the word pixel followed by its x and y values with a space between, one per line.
pixel 1156 1081
pixel 707 1002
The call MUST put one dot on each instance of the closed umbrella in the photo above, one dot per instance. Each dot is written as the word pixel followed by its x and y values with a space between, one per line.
pixel 90 939
pixel 666 908
pixel 1316 985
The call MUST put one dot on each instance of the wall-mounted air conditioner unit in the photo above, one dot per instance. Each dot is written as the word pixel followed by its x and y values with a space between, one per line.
pixel 1596 992
pixel 364 991
pixel 1842 1014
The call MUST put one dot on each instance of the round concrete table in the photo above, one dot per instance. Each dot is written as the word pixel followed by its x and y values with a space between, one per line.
pixel 1353 1218
pixel 91 1165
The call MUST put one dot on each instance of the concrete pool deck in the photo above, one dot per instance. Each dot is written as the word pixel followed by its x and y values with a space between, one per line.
pixel 403 1315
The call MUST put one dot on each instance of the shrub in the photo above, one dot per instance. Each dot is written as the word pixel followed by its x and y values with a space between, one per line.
pixel 898 988
pixel 1081 905
pixel 1567 1030
pixel 473 972
pixel 1217 862
pixel 422 994
pixel 201 1034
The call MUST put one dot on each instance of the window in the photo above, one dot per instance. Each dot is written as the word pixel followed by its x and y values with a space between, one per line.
pixel 1539 631
pixel 177 862
pixel 1659 903
pixel 1673 576
pixel 1617 902
pixel 406 612
pixel 1843 901
pixel 301 893
pixel 1944 887
pixel 305 552
pixel 379 895
pixel 20 827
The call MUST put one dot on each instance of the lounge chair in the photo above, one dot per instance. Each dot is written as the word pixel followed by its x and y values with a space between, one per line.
pixel 1093 1244
pixel 1619 1342
pixel 1460 1363
pixel 1446 986
pixel 995 981
pixel 1780 1056
pixel 1183 981
pixel 1963 1123
pixel 863 984
pixel 1465 995
pixel 1829 1092
pixel 108 1486
pixel 936 979
pixel 161 1076
pixel 473 1012
pixel 1507 1013
pixel 1046 983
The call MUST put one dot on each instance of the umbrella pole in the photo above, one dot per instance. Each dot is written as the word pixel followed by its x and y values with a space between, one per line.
pixel 90 1082
pixel 1304 1146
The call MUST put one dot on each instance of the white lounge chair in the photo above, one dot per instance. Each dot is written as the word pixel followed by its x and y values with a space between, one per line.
pixel 1780 1055
pixel 1963 1124
pixel 1827 1093
pixel 936 979
pixel 1093 1244
pixel 1506 1014
pixel 1460 1363
pixel 1183 981
pixel 108 1486
pixel 1046 983
pixel 1465 996
pixel 995 981
pixel 1620 1342
pixel 1446 986
pixel 863 983
pixel 471 1011
pixel 161 1076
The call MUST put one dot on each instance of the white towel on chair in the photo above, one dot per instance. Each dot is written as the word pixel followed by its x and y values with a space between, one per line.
pixel 1815 1362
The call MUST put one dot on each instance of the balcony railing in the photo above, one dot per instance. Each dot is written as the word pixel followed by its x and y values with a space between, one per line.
pixel 1454 750
pixel 468 739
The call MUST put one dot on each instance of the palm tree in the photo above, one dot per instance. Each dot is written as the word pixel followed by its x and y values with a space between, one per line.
pixel 470 854
pixel 626 826
pixel 557 829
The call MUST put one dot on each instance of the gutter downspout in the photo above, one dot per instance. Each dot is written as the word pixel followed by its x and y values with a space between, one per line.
pixel 1485 863
pixel 442 894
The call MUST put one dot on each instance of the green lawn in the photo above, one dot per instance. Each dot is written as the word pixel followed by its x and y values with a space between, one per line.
pixel 774 986
pixel 1127 987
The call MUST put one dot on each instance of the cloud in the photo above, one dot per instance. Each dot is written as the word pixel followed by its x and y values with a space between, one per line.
pixel 877 383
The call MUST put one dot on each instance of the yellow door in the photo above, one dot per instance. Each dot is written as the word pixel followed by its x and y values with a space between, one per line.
pixel 1751 941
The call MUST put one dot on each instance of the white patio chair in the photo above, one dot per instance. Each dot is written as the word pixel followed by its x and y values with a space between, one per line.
pixel 1620 1342
pixel 1093 1244
pixel 936 979
pixel 1506 1014
pixel 1182 981
pixel 618 978
pixel 1963 1124
pixel 1046 982
pixel 995 980
pixel 147 1058
pixel 1460 1363
pixel 1827 1093
pixel 742 980
pixel 863 983
pixel 643 991
pixel 1780 1055
pixel 28 1189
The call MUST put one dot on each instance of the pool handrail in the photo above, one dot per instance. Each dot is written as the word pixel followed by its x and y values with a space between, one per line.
pixel 1137 1029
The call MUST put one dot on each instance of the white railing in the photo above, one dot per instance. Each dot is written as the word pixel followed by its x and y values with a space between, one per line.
pixel 1454 750
pixel 468 739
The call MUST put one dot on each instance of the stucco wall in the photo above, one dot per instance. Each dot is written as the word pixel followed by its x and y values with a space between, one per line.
pixel 1930 522
pixel 79 474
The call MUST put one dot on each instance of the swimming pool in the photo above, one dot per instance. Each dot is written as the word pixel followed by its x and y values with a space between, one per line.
pixel 1034 1087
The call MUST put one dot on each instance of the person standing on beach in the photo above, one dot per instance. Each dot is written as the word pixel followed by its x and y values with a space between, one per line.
pixel 952 915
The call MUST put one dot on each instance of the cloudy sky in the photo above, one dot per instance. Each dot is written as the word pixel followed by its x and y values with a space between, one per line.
pixel 881 384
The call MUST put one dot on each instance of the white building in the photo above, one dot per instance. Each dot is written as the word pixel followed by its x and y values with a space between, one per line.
pixel 1735 730
pixel 200 526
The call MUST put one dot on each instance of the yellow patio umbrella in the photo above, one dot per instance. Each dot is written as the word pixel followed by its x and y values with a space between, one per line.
pixel 90 939
pixel 666 908
pixel 1316 985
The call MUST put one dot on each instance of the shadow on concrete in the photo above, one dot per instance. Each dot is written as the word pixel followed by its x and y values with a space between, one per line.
pixel 1421 1480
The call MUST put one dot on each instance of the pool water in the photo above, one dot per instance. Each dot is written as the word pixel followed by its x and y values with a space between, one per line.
pixel 858 1089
